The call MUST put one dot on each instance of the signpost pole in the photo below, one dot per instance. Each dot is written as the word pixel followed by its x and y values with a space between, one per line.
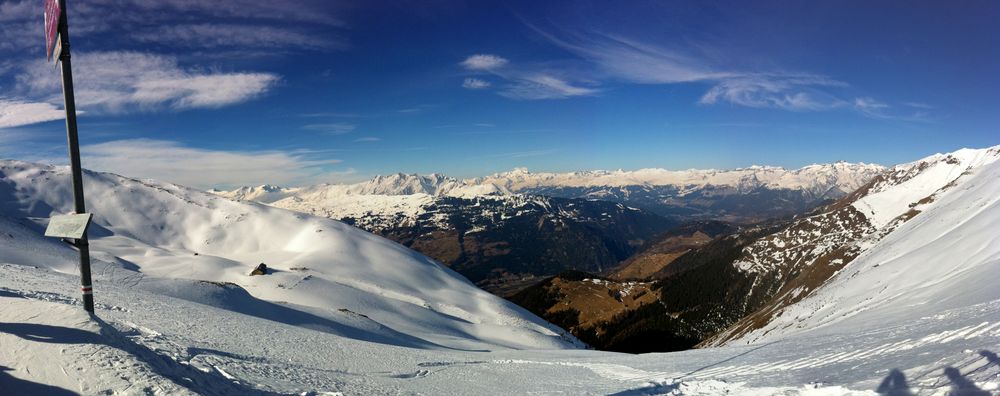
pixel 74 156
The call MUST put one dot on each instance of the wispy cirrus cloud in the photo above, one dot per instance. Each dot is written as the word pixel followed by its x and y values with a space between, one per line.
pixel 116 82
pixel 275 21
pixel 918 105
pixel 635 61
pixel 418 109
pixel 619 58
pixel 215 36
pixel 475 83
pixel 872 108
pixel 524 82
pixel 632 61
pixel 204 168
pixel 484 62
pixel 333 128
pixel 543 86
pixel 787 92
pixel 368 139
pixel 248 26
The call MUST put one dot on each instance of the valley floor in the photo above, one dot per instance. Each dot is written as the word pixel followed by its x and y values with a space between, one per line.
pixel 142 343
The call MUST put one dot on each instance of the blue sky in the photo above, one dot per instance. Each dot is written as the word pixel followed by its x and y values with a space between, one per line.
pixel 300 92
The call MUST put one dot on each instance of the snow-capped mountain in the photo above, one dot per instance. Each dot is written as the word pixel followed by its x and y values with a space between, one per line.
pixel 817 178
pixel 740 193
pixel 740 286
pixel 919 240
pixel 497 240
pixel 262 193
pixel 175 241
pixel 817 181
pixel 398 184
pixel 474 225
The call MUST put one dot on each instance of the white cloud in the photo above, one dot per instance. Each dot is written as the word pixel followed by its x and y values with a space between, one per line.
pixel 541 86
pixel 12 11
pixel 336 128
pixel 621 58
pixel 204 168
pixel 872 108
pixel 286 10
pixel 368 139
pixel 228 36
pixel 484 62
pixel 17 113
pixel 787 92
pixel 210 90
pixel 221 25
pixel 475 83
pixel 918 105
pixel 637 62
pixel 420 108
pixel 525 82
pixel 116 82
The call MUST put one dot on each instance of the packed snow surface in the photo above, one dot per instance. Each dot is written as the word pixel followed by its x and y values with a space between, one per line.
pixel 350 313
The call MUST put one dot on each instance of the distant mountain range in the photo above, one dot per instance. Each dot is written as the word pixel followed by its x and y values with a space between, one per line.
pixel 706 193
pixel 504 230
pixel 738 284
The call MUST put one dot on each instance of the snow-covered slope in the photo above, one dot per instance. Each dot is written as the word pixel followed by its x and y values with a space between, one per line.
pixel 157 335
pixel 326 273
pixel 946 256
pixel 781 268
pixel 142 342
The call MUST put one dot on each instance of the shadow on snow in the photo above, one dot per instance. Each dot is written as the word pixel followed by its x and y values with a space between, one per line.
pixel 188 377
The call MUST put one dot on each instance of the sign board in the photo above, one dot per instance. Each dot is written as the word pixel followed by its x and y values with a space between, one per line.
pixel 52 14
pixel 68 226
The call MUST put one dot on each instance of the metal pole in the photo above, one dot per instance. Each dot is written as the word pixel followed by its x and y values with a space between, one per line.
pixel 74 157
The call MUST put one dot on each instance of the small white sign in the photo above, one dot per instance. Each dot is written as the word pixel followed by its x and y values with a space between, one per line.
pixel 68 226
